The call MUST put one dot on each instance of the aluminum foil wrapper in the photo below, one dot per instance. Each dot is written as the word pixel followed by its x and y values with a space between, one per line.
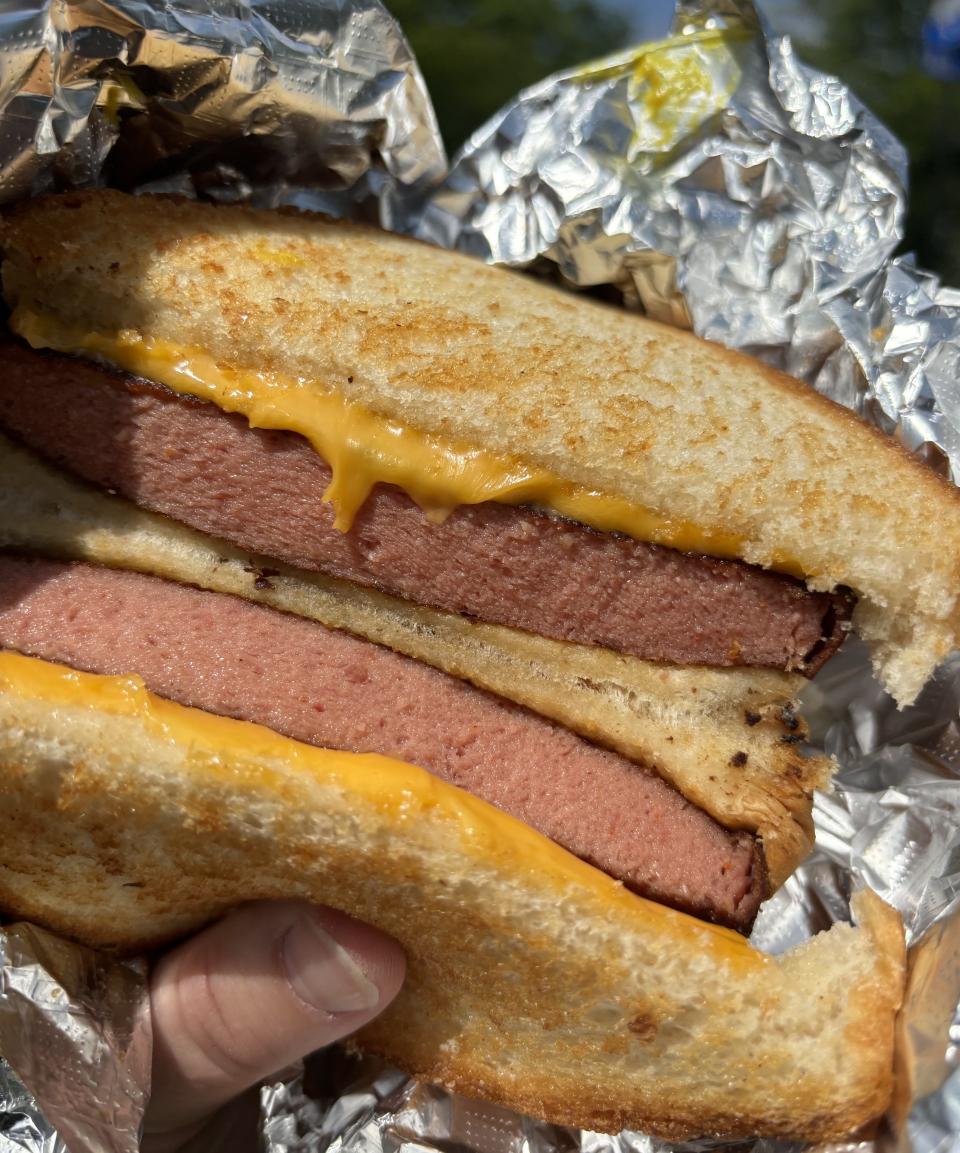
pixel 311 102
pixel 712 181
pixel 718 183
pixel 75 1025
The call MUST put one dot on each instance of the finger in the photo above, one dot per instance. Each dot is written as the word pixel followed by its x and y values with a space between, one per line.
pixel 270 983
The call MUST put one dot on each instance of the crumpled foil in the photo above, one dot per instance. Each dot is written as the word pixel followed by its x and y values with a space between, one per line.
pixel 23 1128
pixel 282 101
pixel 716 182
pixel 712 181
pixel 75 1025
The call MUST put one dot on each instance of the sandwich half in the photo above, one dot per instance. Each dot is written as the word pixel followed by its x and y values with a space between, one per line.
pixel 381 499
pixel 533 980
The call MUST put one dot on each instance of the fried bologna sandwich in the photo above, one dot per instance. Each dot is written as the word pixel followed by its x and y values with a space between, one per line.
pixel 595 559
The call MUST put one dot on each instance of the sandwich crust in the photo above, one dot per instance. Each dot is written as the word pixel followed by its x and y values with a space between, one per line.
pixel 533 980
pixel 597 397
pixel 726 738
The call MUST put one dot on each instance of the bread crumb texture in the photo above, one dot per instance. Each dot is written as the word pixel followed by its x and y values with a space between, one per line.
pixel 534 981
pixel 690 725
pixel 599 397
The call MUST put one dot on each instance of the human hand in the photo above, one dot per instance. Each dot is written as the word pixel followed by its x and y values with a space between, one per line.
pixel 251 994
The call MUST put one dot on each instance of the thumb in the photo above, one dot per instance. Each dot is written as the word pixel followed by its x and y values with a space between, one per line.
pixel 270 983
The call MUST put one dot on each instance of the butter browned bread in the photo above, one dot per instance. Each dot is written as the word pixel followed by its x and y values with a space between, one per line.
pixel 585 563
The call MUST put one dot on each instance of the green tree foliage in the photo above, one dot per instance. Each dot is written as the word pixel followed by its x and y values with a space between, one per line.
pixel 477 54
pixel 876 49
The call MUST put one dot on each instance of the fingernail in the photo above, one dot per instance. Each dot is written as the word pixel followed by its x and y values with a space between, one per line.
pixel 322 973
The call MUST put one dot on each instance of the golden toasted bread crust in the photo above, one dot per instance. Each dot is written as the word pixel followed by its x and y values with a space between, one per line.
pixel 598 397
pixel 726 738
pixel 534 980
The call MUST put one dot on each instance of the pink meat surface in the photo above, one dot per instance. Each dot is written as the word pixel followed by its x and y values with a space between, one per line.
pixel 514 566
pixel 242 660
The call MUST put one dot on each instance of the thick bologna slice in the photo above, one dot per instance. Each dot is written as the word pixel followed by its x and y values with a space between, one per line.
pixel 728 739
pixel 244 661
pixel 532 979
pixel 514 566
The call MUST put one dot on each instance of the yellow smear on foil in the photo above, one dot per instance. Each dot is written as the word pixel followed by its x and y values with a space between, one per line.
pixel 676 84
pixel 118 92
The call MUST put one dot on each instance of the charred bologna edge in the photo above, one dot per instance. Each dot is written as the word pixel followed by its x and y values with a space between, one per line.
pixel 228 656
pixel 512 566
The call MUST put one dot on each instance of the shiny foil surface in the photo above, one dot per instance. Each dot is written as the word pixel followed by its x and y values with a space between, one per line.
pixel 718 183
pixel 277 100
pixel 23 1128
pixel 713 181
pixel 74 1025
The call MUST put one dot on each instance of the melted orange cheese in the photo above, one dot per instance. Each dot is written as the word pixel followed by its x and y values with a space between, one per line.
pixel 245 752
pixel 364 448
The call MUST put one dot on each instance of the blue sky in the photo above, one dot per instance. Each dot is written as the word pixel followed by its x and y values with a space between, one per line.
pixel 651 18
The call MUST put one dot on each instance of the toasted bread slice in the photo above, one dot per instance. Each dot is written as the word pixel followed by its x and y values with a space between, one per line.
pixel 533 979
pixel 726 738
pixel 643 414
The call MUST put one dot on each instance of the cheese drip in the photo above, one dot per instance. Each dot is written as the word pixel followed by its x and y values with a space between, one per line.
pixel 254 759
pixel 364 448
